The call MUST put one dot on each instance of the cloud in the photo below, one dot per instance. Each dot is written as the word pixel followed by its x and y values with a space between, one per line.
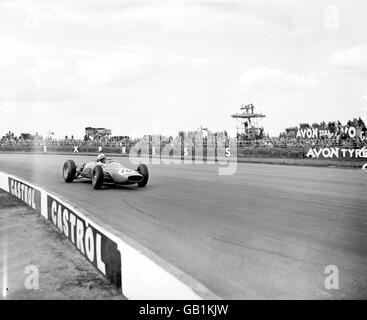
pixel 219 17
pixel 264 78
pixel 45 73
pixel 36 73
pixel 354 58
pixel 127 64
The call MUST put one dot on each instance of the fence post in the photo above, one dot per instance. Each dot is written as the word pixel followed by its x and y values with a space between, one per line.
pixel 150 146
pixel 193 149
pixel 205 149
pixel 215 147
pixel 182 145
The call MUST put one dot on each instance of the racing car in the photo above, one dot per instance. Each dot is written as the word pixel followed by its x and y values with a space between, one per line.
pixel 105 171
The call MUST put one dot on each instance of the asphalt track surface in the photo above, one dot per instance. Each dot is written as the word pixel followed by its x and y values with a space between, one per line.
pixel 266 232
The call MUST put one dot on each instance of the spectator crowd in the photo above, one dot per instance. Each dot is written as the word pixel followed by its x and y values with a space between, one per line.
pixel 337 136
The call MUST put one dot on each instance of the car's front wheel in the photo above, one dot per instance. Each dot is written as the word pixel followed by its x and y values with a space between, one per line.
pixel 97 177
pixel 69 171
pixel 143 170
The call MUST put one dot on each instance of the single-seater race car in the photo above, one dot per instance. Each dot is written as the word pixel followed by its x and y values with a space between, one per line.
pixel 105 171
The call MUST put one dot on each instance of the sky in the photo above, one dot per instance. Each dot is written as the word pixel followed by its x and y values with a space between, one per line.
pixel 160 66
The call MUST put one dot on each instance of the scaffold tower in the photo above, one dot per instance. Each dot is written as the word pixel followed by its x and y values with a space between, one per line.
pixel 248 123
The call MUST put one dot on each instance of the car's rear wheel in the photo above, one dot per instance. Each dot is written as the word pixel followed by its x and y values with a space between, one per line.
pixel 97 177
pixel 69 171
pixel 143 170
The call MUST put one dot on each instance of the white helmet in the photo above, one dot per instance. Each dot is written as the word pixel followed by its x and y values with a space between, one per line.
pixel 101 157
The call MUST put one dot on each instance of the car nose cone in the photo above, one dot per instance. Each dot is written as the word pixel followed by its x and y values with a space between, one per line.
pixel 135 178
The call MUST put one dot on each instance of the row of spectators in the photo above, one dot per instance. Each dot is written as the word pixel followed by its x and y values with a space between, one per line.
pixel 337 135
pixel 25 139
pixel 38 140
pixel 297 143
pixel 289 139
pixel 334 127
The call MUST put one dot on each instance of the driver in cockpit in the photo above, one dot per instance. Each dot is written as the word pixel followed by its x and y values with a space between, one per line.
pixel 101 158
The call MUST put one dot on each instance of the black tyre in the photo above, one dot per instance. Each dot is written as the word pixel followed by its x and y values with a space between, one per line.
pixel 69 171
pixel 97 178
pixel 143 170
